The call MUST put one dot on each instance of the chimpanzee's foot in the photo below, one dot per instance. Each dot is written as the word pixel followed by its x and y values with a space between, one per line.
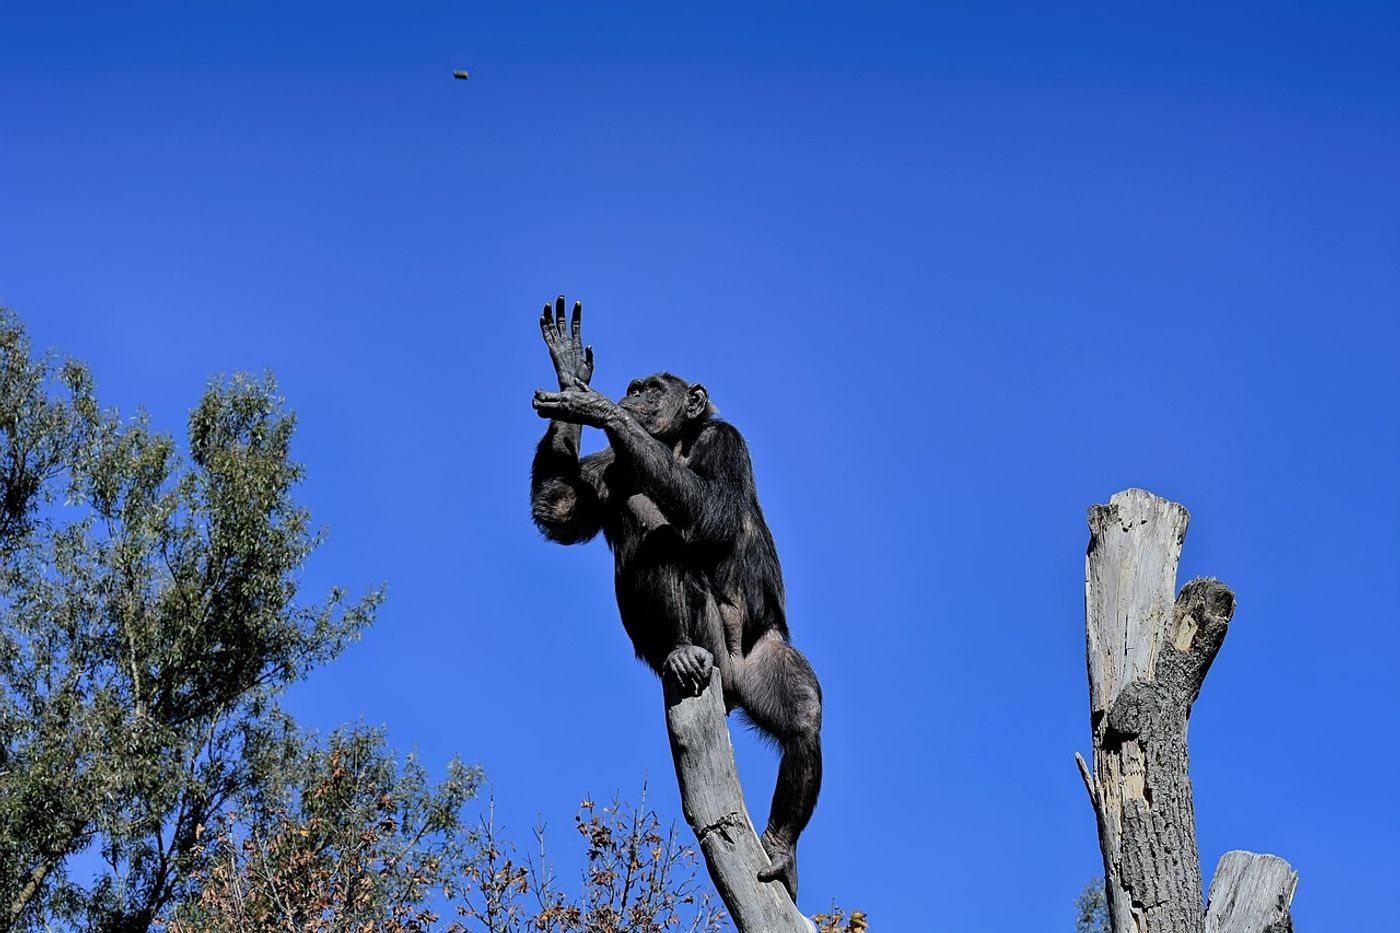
pixel 782 858
pixel 689 667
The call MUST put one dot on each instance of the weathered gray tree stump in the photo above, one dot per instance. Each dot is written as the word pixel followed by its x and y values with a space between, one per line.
pixel 1250 893
pixel 713 803
pixel 1148 656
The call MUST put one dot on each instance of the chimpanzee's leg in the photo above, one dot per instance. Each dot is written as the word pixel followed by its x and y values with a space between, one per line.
pixel 778 690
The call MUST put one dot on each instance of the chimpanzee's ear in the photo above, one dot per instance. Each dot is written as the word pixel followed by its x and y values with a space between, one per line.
pixel 697 402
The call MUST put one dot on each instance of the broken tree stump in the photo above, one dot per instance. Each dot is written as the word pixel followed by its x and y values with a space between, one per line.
pixel 713 803
pixel 1148 656
pixel 1250 893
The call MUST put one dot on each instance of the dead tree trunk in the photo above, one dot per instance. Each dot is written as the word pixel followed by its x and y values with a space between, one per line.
pixel 1148 657
pixel 714 807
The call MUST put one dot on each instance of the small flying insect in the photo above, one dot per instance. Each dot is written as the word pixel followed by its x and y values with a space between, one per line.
pixel 461 75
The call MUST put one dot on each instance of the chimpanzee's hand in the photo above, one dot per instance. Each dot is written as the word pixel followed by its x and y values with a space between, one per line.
pixel 576 406
pixel 573 362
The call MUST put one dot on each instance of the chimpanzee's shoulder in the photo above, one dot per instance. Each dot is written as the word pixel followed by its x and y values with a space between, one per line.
pixel 720 438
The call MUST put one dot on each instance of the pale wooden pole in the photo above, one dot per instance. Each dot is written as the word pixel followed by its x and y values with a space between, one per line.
pixel 1148 656
pixel 713 803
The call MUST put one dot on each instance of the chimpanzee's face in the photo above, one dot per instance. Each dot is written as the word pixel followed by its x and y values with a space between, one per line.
pixel 658 404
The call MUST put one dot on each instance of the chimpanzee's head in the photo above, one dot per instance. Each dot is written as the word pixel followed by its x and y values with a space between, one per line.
pixel 666 405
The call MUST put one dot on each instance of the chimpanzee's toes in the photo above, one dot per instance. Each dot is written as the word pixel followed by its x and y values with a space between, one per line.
pixel 689 666
pixel 782 864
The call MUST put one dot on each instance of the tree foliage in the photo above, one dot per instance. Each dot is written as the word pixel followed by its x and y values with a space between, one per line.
pixel 638 877
pixel 366 846
pixel 150 616
pixel 1091 909
pixel 838 921
pixel 359 842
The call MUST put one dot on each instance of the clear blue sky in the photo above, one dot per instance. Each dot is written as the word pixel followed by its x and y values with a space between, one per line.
pixel 956 273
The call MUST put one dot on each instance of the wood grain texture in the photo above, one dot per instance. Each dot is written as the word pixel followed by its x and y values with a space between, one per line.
pixel 1148 655
pixel 713 803
pixel 1142 789
pixel 1251 893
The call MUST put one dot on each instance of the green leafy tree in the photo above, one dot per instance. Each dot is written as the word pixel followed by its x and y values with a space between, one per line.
pixel 1091 909
pixel 360 841
pixel 150 616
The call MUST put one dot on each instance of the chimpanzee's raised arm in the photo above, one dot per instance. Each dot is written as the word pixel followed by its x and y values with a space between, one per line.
pixel 573 362
pixel 567 494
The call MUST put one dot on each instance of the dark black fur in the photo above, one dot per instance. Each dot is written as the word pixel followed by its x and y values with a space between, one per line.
pixel 674 496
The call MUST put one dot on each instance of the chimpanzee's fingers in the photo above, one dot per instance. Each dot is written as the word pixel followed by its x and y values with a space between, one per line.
pixel 574 325
pixel 559 314
pixel 547 325
pixel 546 408
pixel 588 355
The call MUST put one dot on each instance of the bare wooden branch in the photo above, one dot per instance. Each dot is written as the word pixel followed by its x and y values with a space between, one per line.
pixel 1148 657
pixel 1251 893
pixel 714 807
pixel 1088 780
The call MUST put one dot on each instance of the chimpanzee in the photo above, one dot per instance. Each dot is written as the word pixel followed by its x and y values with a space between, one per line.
pixel 697 576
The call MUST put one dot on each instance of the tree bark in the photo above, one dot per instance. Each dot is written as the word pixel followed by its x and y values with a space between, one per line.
pixel 1148 656
pixel 714 807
